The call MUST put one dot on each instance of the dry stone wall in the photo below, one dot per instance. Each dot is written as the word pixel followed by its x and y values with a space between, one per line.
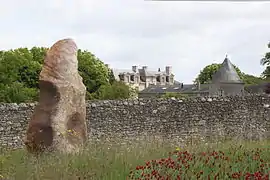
pixel 245 117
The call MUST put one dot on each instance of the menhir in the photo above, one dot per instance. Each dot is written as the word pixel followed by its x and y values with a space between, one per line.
pixel 58 122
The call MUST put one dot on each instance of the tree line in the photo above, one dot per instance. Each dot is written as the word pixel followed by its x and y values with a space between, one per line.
pixel 205 75
pixel 20 68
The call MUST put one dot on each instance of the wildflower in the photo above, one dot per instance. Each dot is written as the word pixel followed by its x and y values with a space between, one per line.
pixel 1 176
pixel 203 153
pixel 236 175
pixel 177 149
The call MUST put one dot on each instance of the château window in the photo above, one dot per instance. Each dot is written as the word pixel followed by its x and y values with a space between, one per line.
pixel 128 79
pixel 142 78
pixel 167 79
pixel 158 78
pixel 137 79
pixel 163 79
pixel 121 77
pixel 132 78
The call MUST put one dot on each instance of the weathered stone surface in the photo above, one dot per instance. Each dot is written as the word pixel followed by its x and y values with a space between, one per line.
pixel 61 108
pixel 245 117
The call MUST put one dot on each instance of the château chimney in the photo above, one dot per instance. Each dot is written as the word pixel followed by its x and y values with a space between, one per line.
pixel 168 70
pixel 134 69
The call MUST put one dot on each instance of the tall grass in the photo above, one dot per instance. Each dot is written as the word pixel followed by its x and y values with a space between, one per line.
pixel 113 160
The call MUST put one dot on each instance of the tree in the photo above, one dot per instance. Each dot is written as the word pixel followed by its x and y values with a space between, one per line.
pixel 111 77
pixel 266 72
pixel 18 76
pixel 16 92
pixel 93 71
pixel 38 53
pixel 208 71
pixel 20 68
pixel 206 75
pixel 250 79
pixel 116 90
pixel 20 65
pixel 265 61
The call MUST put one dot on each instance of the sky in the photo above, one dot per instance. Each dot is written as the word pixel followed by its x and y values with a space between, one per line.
pixel 122 33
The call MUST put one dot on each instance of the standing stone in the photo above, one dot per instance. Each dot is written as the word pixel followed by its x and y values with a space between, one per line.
pixel 58 122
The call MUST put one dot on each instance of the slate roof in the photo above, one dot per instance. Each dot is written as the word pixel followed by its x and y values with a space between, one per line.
pixel 116 72
pixel 257 88
pixel 226 73
pixel 142 72
pixel 148 72
pixel 177 82
pixel 176 88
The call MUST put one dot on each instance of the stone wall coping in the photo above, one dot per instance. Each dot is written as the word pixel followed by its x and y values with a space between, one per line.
pixel 142 101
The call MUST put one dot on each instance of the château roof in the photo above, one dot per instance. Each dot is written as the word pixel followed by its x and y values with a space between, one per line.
pixel 142 72
pixel 176 88
pixel 226 73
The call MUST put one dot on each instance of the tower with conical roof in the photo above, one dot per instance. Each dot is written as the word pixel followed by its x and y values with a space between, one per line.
pixel 226 81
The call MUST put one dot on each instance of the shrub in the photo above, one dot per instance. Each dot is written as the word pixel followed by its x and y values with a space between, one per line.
pixel 116 90
pixel 17 93
pixel 171 94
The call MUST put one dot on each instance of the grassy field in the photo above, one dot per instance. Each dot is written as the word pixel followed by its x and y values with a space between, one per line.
pixel 143 160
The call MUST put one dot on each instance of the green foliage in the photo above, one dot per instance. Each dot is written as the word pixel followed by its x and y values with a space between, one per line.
pixel 266 72
pixel 206 75
pixel 16 92
pixel 111 77
pixel 20 65
pixel 116 90
pixel 171 94
pixel 93 71
pixel 133 92
pixel 38 53
pixel 99 79
pixel 265 61
pixel 20 68
pixel 251 80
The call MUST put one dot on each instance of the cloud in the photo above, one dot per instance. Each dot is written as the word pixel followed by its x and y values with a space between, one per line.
pixel 186 35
